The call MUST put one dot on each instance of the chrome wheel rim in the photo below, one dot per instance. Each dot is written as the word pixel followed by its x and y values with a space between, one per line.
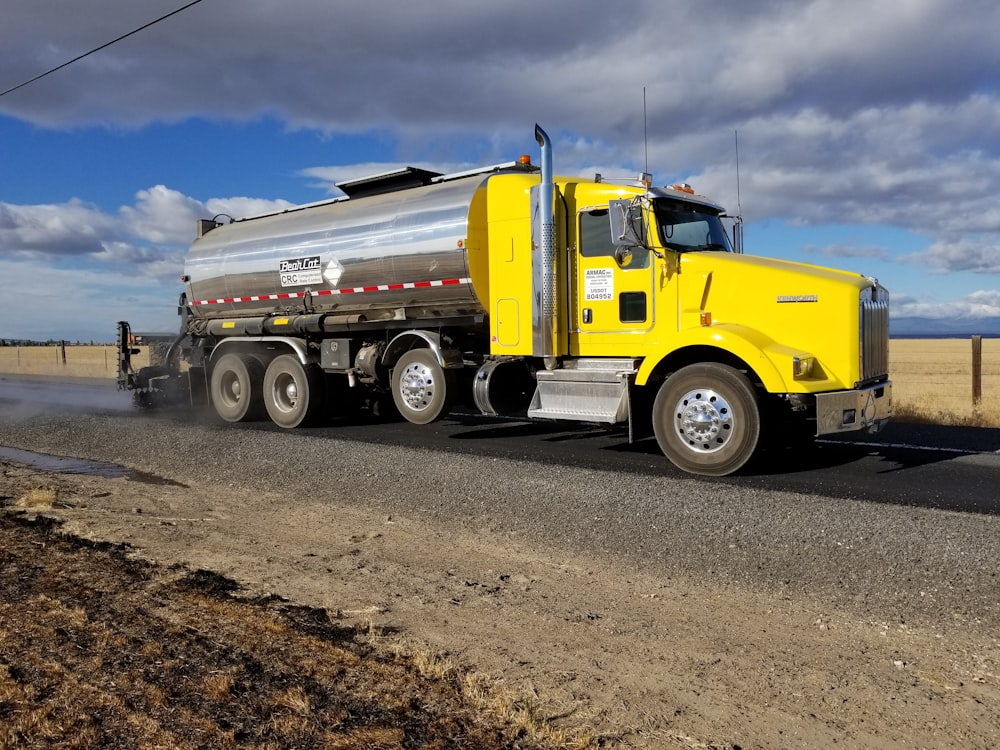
pixel 286 392
pixel 704 420
pixel 416 386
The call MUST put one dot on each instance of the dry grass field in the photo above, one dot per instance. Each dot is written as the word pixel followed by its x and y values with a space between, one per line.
pixel 932 380
pixel 81 361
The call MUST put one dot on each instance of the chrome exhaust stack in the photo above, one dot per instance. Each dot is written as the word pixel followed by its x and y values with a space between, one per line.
pixel 544 262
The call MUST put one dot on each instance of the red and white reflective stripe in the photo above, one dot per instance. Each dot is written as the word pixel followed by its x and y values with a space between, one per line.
pixel 328 292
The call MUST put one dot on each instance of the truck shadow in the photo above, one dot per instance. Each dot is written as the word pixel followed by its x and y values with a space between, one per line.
pixel 898 448
pixel 589 445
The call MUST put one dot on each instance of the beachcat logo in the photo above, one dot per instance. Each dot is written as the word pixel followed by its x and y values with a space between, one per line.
pixel 300 271
pixel 798 298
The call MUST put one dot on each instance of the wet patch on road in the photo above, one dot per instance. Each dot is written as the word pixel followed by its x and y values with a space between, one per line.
pixel 70 465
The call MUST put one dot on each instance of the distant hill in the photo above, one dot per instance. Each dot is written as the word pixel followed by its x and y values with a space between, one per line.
pixel 937 327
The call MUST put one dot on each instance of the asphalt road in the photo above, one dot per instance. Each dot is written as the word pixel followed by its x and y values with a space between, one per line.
pixel 868 522
pixel 951 468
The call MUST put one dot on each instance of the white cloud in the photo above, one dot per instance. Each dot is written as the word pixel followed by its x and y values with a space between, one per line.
pixel 964 254
pixel 147 240
pixel 162 216
pixel 67 229
pixel 984 303
pixel 81 269
pixel 875 165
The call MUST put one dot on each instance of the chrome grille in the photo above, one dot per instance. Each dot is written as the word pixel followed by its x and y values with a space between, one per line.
pixel 874 332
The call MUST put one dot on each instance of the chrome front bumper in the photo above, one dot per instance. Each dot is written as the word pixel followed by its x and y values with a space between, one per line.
pixel 844 411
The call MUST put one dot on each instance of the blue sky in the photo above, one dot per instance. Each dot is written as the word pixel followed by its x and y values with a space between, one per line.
pixel 869 134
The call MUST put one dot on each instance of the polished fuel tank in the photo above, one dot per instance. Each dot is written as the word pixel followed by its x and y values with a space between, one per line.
pixel 400 253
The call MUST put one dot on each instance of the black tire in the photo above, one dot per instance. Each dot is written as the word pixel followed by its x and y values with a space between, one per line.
pixel 236 387
pixel 421 389
pixel 707 419
pixel 293 392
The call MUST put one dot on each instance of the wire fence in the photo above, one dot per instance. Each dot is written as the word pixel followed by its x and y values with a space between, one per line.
pixel 950 380
pixel 67 360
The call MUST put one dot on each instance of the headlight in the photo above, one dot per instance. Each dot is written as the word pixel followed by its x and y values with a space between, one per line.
pixel 802 367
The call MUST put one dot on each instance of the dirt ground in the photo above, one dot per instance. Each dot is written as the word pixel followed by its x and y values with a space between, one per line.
pixel 97 650
pixel 440 638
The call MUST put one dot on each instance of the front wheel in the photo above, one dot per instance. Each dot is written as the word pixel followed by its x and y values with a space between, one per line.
pixel 707 419
pixel 293 392
pixel 421 389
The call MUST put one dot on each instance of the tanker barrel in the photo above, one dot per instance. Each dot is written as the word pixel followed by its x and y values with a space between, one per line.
pixel 401 249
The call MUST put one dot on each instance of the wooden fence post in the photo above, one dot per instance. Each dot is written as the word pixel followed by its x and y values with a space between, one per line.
pixel 977 370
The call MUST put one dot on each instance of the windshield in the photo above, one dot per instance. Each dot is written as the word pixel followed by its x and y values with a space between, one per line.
pixel 684 226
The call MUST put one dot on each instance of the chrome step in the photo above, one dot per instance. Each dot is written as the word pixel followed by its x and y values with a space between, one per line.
pixel 591 390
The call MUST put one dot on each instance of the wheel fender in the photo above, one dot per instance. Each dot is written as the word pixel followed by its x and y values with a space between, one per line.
pixel 762 354
pixel 404 342
pixel 239 344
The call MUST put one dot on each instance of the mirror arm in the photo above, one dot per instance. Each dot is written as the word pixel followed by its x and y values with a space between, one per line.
pixel 645 205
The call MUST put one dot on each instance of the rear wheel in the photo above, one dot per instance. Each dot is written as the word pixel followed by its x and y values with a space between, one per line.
pixel 293 392
pixel 707 419
pixel 236 387
pixel 421 388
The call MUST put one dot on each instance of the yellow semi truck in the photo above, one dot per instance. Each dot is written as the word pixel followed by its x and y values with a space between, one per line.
pixel 518 292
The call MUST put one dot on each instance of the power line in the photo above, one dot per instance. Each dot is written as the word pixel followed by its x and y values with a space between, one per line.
pixel 98 49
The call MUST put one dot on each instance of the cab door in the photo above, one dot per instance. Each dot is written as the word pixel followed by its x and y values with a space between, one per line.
pixel 611 304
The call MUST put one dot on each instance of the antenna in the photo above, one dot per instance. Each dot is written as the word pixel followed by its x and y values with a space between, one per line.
pixel 739 207
pixel 738 228
pixel 645 138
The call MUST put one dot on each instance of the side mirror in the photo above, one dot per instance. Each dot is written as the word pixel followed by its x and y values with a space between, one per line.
pixel 627 226
pixel 624 256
